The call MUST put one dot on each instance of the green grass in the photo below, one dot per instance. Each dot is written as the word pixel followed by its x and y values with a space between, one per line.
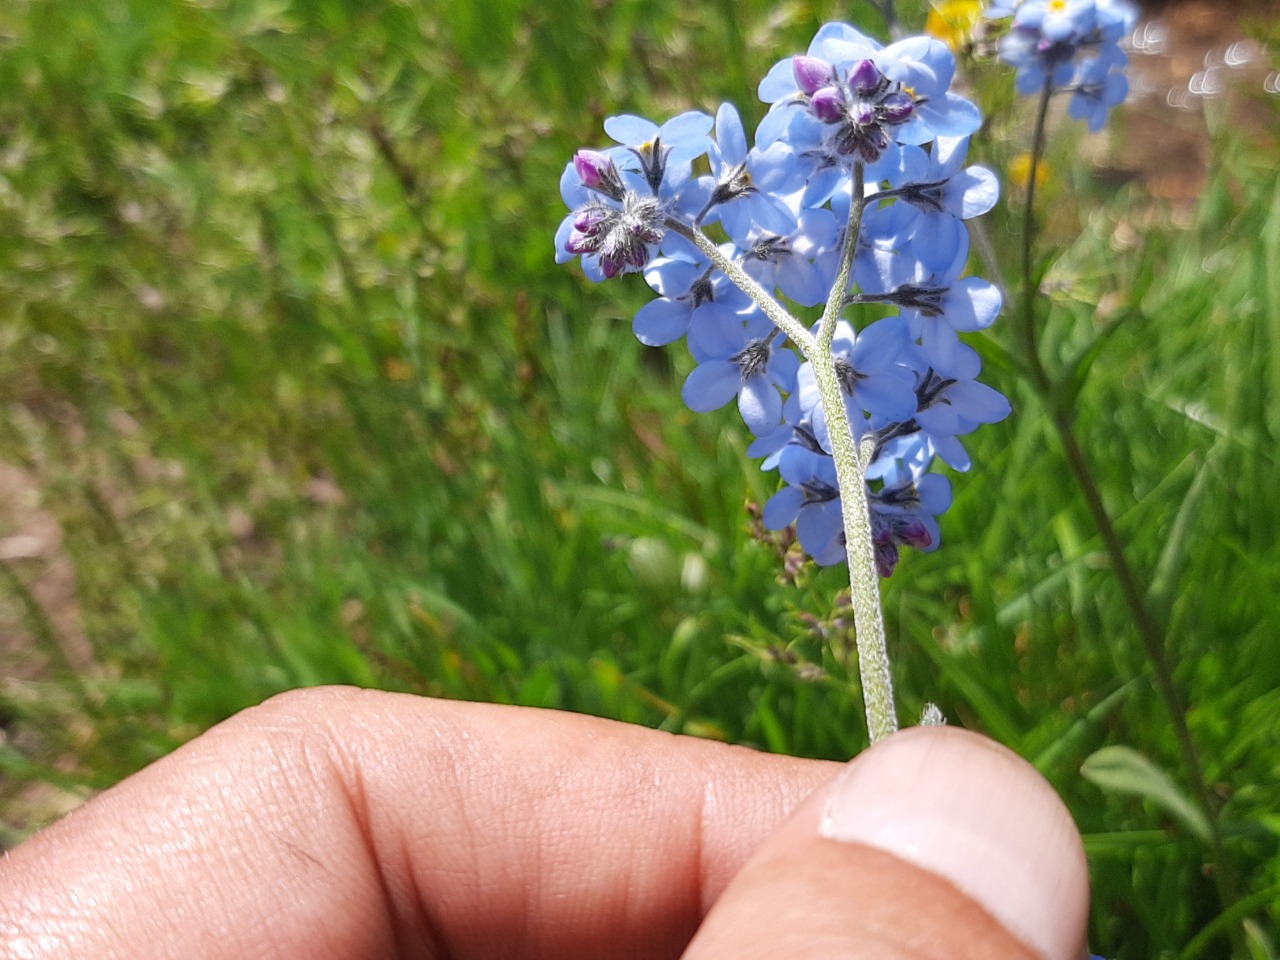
pixel 283 351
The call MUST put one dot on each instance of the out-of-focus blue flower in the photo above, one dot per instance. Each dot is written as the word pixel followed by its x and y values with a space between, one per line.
pixel 1100 84
pixel 1069 46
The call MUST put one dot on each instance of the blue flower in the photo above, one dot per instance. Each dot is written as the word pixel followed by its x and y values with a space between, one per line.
pixel 924 67
pixel 856 99
pixel 1070 45
pixel 937 306
pixel 739 358
pixel 1099 85
pixel 874 372
pixel 677 143
pixel 904 512
pixel 685 280
pixel 748 183
pixel 951 406
pixel 810 500
pixel 786 263
pixel 943 192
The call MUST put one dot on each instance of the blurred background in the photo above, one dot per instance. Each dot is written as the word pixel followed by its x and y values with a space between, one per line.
pixel 292 393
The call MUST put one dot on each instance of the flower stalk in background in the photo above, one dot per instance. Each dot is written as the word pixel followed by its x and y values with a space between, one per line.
pixel 1073 47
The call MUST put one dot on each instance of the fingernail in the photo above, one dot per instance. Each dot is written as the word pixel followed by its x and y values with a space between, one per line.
pixel 967 809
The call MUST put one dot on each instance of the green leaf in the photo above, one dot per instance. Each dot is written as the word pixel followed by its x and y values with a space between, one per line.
pixel 1124 770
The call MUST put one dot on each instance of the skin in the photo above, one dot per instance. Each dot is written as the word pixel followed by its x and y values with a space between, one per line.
pixel 352 824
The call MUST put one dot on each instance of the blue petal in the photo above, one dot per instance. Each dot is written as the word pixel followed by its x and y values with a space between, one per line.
pixel 977 190
pixel 711 385
pixel 630 129
pixel 775 124
pixel 661 322
pixel 881 343
pixel 686 128
pixel 836 36
pixel 802 282
pixel 715 332
pixel 772 214
pixel 979 402
pixel 562 237
pixel 760 405
pixel 893 398
pixel 671 277
pixel 730 137
pixel 781 509
pixel 973 305
pixel 779 83
pixel 952 452
pixel 819 528
pixel 952 116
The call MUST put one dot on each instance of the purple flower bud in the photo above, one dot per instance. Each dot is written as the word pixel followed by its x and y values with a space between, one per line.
pixel 865 78
pixel 828 104
pixel 886 558
pixel 611 265
pixel 897 107
pixel 636 257
pixel 580 242
pixel 812 74
pixel 912 531
pixel 594 168
pixel 588 219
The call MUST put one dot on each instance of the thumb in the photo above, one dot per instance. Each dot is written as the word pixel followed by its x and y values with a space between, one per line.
pixel 936 842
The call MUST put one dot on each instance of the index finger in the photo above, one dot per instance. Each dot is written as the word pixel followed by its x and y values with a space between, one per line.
pixel 347 823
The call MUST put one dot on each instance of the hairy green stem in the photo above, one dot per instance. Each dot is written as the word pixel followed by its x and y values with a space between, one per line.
pixel 1151 634
pixel 775 311
pixel 864 579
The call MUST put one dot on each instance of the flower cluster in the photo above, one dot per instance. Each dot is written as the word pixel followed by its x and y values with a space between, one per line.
pixel 854 194
pixel 1070 46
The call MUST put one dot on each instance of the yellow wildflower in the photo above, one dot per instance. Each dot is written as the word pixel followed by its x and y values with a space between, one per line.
pixel 1020 171
pixel 953 21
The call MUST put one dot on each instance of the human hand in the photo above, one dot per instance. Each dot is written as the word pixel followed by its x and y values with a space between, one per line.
pixel 349 824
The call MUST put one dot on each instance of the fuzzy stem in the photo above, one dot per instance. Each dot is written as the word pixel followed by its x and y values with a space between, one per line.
pixel 864 578
pixel 775 311
pixel 1151 634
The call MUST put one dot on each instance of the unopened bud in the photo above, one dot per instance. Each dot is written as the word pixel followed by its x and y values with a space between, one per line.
pixel 594 167
pixel 897 107
pixel 865 78
pixel 812 74
pixel 828 104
